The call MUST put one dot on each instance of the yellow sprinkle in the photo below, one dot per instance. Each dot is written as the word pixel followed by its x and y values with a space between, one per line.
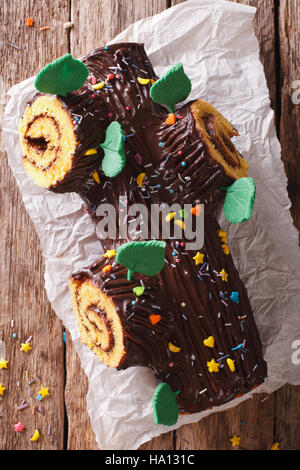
pixel 180 224
pixel 173 348
pixel 225 249
pixel 35 436
pixel 2 389
pixel 170 216
pixel 224 275
pixel 221 233
pixel 143 81
pixel 110 253
pixel 25 347
pixel 224 240
pixel 96 177
pixel 213 366
pixel 140 178
pixel 98 86
pixel 198 258
pixel 230 364
pixel 275 446
pixel 90 152
pixel 209 342
pixel 152 81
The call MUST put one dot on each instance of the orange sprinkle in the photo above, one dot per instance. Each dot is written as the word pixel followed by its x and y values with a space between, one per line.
pixel 154 318
pixel 171 119
pixel 196 210
pixel 107 268
pixel 29 22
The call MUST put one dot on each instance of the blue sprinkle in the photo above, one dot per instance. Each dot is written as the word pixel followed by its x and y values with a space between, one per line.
pixel 237 347
pixel 183 164
pixel 171 191
pixel 174 253
pixel 64 336
pixel 39 397
pixel 14 335
pixel 161 144
pixel 158 186
pixel 106 48
pixel 124 138
pixel 234 296
pixel 133 302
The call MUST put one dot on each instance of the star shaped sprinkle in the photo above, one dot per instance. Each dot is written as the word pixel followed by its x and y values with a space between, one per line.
pixel 3 363
pixel 19 427
pixel 235 440
pixel 2 389
pixel 110 254
pixel 43 392
pixel 198 258
pixel 275 446
pixel 234 296
pixel 213 366
pixel 25 347
pixel 224 275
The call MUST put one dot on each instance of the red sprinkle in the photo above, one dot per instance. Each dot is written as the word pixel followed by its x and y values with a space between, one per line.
pixel 110 114
pixel 94 80
pixel 110 76
pixel 118 76
pixel 179 152
pixel 94 95
pixel 127 108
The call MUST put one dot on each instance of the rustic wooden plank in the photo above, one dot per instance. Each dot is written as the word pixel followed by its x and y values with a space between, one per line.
pixel 96 23
pixel 289 26
pixel 22 296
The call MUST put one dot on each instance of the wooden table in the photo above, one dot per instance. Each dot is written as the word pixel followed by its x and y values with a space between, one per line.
pixel 52 362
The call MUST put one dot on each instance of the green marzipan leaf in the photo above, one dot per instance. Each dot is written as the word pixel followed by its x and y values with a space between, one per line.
pixel 62 76
pixel 165 408
pixel 146 257
pixel 114 152
pixel 174 87
pixel 239 201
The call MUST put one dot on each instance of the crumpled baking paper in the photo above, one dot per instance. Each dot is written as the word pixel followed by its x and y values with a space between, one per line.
pixel 215 41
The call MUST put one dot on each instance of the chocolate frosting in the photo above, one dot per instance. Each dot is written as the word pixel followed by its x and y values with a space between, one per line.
pixel 192 300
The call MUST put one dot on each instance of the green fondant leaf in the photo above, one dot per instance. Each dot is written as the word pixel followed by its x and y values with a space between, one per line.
pixel 174 87
pixel 114 152
pixel 62 76
pixel 239 200
pixel 165 408
pixel 146 257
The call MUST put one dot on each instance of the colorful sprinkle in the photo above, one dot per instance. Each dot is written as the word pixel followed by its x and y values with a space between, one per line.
pixel 275 446
pixel 110 253
pixel 96 177
pixel 90 152
pixel 140 179
pixel 154 318
pixel 44 392
pixel 230 364
pixel 35 435
pixel 2 389
pixel 138 290
pixel 173 348
pixel 98 86
pixel 224 275
pixel 196 210
pixel 198 258
pixel 143 81
pixel 3 363
pixel 213 366
pixel 234 296
pixel 107 268
pixel 171 119
pixel 29 22
pixel 180 224
pixel 209 342
pixel 235 440
pixel 25 347
pixel 170 216
pixel 19 427
pixel 225 249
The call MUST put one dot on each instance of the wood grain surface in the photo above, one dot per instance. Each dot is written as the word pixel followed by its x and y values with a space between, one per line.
pixel 24 309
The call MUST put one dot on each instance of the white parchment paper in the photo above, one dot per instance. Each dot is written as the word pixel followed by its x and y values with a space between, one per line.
pixel 215 41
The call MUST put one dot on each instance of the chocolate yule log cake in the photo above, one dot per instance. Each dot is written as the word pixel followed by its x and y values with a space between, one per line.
pixel 107 128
